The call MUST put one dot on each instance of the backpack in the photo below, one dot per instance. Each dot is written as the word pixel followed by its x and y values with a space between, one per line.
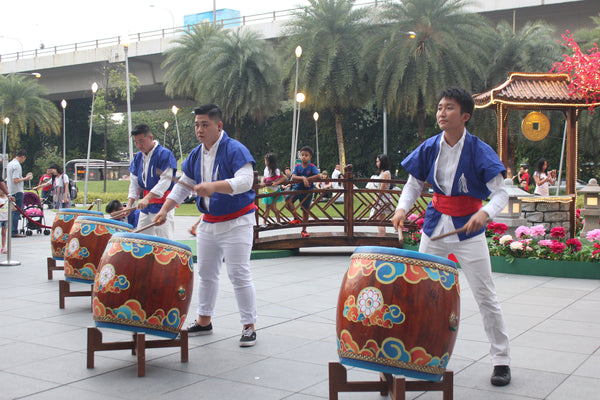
pixel 73 190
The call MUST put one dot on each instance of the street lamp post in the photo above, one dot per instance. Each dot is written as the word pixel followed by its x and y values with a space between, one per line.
pixel 299 99
pixel 8 262
pixel 165 125
pixel 294 131
pixel 126 48
pixel 63 104
pixel 316 118
pixel 87 162
pixel 175 109
pixel 6 120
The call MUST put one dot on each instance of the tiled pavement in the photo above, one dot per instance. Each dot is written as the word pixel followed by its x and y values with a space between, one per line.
pixel 554 325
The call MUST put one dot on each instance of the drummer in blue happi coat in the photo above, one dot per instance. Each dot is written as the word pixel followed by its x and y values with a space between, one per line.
pixel 152 170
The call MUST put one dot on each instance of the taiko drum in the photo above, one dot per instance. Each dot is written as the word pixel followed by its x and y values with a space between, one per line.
pixel 86 243
pixel 398 312
pixel 63 222
pixel 143 284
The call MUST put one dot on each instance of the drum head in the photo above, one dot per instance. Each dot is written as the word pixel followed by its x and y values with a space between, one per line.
pixel 405 253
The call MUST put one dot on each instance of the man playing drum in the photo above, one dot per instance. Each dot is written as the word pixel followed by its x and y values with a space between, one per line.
pixel 221 172
pixel 463 171
pixel 152 170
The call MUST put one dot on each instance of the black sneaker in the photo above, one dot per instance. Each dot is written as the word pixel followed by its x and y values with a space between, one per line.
pixel 197 330
pixel 248 338
pixel 501 375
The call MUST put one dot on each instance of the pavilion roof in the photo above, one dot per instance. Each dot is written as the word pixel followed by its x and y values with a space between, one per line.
pixel 530 89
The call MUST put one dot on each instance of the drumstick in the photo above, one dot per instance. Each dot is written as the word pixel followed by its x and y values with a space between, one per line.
pixel 176 180
pixel 143 228
pixel 121 213
pixel 443 235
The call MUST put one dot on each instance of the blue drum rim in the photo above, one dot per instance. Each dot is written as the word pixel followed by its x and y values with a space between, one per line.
pixel 138 329
pixel 150 238
pixel 78 280
pixel 405 253
pixel 104 220
pixel 391 370
pixel 76 211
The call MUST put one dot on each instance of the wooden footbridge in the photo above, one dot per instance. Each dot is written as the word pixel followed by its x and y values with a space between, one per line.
pixel 347 215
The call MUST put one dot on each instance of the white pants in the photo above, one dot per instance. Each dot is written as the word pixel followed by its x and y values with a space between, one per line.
pixel 166 230
pixel 474 258
pixel 235 246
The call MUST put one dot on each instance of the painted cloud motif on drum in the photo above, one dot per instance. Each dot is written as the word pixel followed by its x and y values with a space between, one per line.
pixel 390 349
pixel 108 281
pixel 371 311
pixel 387 272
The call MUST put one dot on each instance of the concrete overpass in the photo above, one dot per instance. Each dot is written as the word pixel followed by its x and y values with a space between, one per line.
pixel 68 71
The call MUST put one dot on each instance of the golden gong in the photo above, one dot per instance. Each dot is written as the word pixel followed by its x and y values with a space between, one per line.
pixel 535 126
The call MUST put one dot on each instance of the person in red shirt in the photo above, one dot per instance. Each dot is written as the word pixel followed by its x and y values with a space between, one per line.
pixel 523 176
pixel 46 178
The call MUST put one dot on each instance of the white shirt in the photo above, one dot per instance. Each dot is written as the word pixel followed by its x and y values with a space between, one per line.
pixel 14 171
pixel 161 186
pixel 336 175
pixel 241 182
pixel 445 166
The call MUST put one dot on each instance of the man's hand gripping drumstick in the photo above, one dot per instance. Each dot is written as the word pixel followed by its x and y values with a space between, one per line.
pixel 475 223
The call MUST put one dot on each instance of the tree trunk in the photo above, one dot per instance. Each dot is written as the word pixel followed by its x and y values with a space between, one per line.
pixel 340 139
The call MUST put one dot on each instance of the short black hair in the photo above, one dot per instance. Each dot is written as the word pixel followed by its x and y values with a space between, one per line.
pixel 21 153
pixel 462 97
pixel 140 129
pixel 307 148
pixel 212 110
pixel 113 205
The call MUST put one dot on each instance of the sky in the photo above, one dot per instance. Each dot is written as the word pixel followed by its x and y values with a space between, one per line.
pixel 25 24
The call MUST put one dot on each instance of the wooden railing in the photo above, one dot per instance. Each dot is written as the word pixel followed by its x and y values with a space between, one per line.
pixel 349 214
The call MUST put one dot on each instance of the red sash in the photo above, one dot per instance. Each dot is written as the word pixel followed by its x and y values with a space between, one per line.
pixel 157 200
pixel 456 206
pixel 228 217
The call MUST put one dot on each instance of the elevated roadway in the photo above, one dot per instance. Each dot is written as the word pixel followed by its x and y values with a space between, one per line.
pixel 68 71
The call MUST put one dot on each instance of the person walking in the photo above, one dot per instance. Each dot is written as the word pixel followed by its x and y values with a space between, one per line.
pixel 221 172
pixel 14 180
pixel 463 171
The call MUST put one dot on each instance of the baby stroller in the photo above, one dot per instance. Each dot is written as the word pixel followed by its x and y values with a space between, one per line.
pixel 33 220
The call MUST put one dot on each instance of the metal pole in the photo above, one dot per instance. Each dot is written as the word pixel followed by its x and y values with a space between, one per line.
pixel 294 133
pixel 126 48
pixel 562 152
pixel 297 126
pixel 4 158
pixel 64 106
pixel 9 262
pixel 179 139
pixel 317 142
pixel 87 162
pixel 385 146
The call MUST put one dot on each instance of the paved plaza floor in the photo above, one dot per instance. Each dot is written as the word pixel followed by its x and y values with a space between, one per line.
pixel 554 325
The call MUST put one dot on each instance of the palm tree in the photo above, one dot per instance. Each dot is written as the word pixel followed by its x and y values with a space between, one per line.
pixel 239 71
pixel 447 50
pixel 182 59
pixel 330 33
pixel 531 49
pixel 21 100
